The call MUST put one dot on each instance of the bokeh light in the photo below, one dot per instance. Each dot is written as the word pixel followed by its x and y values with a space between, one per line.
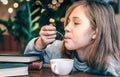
pixel 10 10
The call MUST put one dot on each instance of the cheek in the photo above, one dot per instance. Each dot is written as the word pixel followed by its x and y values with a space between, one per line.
pixel 78 36
pixel 82 39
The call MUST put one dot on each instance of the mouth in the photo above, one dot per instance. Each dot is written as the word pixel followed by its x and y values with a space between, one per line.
pixel 66 38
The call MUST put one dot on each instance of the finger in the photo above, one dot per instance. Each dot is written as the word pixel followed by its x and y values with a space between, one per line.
pixel 48 33
pixel 48 40
pixel 48 28
pixel 51 37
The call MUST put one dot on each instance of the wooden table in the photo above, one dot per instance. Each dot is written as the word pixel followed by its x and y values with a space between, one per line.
pixel 46 72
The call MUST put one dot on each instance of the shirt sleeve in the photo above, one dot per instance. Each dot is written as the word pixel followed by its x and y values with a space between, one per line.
pixel 52 51
pixel 31 49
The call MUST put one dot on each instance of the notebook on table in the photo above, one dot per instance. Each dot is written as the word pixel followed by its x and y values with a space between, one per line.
pixel 13 69
pixel 24 58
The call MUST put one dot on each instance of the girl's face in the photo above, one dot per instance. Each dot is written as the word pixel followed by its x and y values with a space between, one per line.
pixel 78 31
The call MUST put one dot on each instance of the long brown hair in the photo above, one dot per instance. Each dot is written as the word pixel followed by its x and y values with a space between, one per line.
pixel 102 19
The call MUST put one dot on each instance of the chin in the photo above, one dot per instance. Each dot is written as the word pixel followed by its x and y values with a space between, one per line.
pixel 69 47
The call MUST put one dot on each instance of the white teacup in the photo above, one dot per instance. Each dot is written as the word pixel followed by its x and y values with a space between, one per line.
pixel 61 66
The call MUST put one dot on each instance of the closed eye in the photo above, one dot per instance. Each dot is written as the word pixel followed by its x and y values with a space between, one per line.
pixel 77 23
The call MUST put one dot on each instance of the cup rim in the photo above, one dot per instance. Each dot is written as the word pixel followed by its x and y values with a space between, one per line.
pixel 62 59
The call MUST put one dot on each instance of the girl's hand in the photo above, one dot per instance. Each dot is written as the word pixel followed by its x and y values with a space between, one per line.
pixel 47 35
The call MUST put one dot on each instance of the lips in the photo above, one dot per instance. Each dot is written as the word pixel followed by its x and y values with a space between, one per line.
pixel 66 38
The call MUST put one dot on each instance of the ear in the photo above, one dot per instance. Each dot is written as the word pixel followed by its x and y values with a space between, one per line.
pixel 94 36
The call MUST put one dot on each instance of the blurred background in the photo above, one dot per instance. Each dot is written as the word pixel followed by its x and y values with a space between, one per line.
pixel 21 20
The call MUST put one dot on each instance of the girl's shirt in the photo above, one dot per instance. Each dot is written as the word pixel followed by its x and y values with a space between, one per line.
pixel 52 51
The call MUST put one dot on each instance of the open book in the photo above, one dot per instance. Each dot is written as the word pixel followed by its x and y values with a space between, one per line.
pixel 13 69
pixel 25 58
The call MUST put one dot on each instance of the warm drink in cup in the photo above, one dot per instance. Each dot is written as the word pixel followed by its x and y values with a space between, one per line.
pixel 61 66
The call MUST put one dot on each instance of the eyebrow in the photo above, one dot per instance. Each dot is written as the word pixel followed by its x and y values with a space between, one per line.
pixel 74 18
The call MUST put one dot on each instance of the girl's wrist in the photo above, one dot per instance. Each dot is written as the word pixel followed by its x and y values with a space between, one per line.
pixel 39 44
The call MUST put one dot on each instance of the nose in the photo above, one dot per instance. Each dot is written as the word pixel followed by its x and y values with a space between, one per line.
pixel 67 27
